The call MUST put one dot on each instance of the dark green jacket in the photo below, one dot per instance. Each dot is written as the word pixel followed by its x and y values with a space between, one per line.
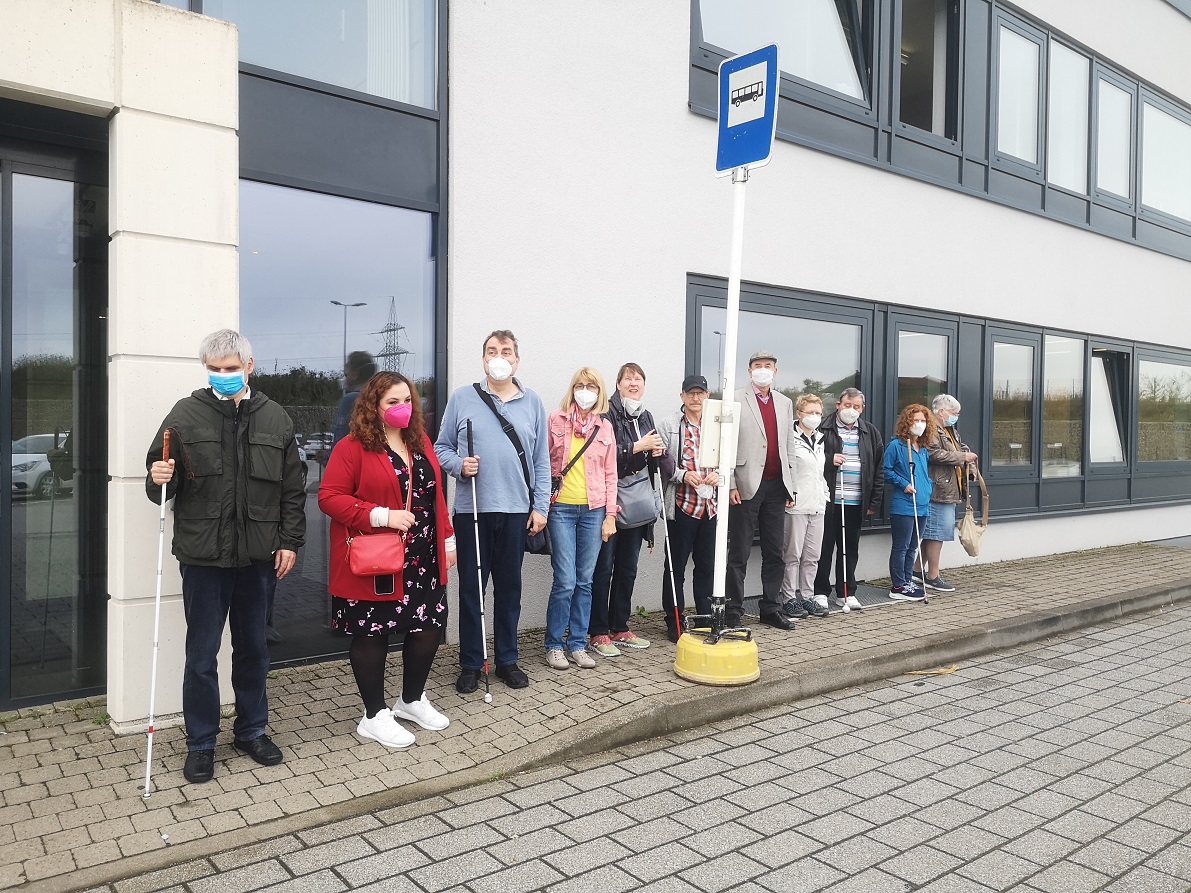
pixel 237 485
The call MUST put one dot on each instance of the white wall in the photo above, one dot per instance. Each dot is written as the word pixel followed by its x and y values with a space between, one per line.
pixel 582 195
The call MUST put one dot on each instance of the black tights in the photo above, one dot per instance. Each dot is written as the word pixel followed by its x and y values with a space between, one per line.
pixel 368 665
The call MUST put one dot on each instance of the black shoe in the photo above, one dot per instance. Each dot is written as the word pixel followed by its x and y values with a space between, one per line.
pixel 513 676
pixel 672 634
pixel 732 619
pixel 794 610
pixel 200 766
pixel 467 681
pixel 779 621
pixel 817 609
pixel 260 749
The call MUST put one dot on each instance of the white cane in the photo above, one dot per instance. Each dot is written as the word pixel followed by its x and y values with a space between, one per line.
pixel 917 536
pixel 843 541
pixel 475 523
pixel 666 545
pixel 165 457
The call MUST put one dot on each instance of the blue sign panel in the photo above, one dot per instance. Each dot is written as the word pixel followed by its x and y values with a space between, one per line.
pixel 747 109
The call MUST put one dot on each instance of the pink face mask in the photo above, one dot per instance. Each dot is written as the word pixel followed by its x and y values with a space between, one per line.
pixel 398 416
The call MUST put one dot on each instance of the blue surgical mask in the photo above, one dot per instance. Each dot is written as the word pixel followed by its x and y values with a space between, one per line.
pixel 226 384
pixel 951 420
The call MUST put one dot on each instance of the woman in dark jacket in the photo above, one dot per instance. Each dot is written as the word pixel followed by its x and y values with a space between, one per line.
pixel 637 446
pixel 384 476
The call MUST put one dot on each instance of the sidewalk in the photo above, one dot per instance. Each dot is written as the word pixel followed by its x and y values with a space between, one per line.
pixel 72 817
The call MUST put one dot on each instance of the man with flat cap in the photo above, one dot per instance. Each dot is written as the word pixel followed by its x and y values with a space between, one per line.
pixel 761 485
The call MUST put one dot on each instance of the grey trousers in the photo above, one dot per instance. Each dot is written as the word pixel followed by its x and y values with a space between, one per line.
pixel 804 542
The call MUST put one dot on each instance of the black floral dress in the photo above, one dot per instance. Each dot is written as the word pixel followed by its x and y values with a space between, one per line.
pixel 423 602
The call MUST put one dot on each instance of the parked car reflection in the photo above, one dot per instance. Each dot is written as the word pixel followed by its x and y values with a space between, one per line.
pixel 32 475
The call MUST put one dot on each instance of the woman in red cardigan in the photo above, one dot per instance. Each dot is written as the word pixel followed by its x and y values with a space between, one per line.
pixel 367 487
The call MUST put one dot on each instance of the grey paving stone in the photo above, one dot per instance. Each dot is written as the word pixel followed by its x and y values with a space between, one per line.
pixel 1174 860
pixel 166 877
pixel 241 880
pixel 678 885
pixel 921 864
pixel 1146 880
pixel 967 842
pixel 998 869
pixel 668 859
pixel 522 848
pixel 332 853
pixel 724 873
pixel 781 848
pixel 1080 826
pixel 1041 847
pixel 456 870
pixel 834 828
pixel 1068 877
pixel 721 839
pixel 532 875
pixel 1108 857
pixel 577 859
pixel 855 854
pixel 324 881
pixel 709 815
pixel 871 881
pixel 474 837
pixel 588 827
pixel 608 879
pixel 390 864
pixel 652 806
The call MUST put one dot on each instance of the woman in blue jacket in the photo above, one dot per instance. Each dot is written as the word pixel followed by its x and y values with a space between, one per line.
pixel 909 480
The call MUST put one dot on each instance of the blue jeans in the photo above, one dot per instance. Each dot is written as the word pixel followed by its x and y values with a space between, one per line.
pixel 613 582
pixel 211 597
pixel 574 546
pixel 502 547
pixel 905 546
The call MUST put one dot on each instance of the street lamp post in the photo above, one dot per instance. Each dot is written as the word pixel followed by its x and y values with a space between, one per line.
pixel 345 306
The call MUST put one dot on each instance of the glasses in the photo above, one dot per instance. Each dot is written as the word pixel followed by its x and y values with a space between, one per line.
pixel 587 387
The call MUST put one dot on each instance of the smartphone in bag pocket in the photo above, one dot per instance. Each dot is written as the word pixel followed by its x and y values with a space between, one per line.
pixel 385 584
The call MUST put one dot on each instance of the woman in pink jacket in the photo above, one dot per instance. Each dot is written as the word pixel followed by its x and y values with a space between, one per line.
pixel 384 477
pixel 582 512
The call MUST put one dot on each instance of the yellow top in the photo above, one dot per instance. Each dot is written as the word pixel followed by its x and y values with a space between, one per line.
pixel 574 485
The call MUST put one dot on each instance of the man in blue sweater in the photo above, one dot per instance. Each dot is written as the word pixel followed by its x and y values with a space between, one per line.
pixel 512 490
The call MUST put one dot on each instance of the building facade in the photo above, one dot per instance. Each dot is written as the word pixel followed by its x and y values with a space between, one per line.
pixel 966 196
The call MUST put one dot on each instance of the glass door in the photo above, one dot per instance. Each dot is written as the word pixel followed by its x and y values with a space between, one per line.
pixel 923 352
pixel 53 272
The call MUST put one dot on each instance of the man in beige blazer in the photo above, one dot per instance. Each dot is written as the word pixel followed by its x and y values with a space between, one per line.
pixel 762 484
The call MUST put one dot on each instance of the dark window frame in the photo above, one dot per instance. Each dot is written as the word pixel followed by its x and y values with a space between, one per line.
pixel 1153 355
pixel 1100 196
pixel 1180 114
pixel 1020 167
pixel 955 88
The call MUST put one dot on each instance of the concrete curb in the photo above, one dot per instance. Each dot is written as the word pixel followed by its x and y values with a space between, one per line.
pixel 661 715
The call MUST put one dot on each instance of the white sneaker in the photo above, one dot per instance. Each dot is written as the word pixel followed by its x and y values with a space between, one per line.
pixel 556 659
pixel 582 659
pixel 853 603
pixel 422 713
pixel 385 730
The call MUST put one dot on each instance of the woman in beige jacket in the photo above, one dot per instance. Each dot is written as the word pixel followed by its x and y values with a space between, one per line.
pixel 950 461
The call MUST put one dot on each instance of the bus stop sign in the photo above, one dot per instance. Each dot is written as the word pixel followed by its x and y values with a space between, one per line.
pixel 747 110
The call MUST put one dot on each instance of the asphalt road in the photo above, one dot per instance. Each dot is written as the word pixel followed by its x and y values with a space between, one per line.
pixel 1062 766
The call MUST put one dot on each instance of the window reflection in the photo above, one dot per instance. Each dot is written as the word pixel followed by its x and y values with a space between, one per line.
pixel 383 47
pixel 1067 119
pixel 57 630
pixel 1114 137
pixel 1108 401
pixel 921 368
pixel 818 40
pixel 1062 407
pixel 1163 412
pixel 814 356
pixel 1012 404
pixel 929 66
pixel 1165 172
pixel 1017 96
pixel 331 290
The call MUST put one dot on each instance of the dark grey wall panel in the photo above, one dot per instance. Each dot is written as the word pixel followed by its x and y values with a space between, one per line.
pixel 803 123
pixel 1021 192
pixel 975 107
pixel 1167 239
pixel 1011 499
pixel 1146 489
pixel 1059 493
pixel 1101 490
pixel 975 176
pixel 300 137
pixel 934 163
pixel 1112 221
pixel 1069 207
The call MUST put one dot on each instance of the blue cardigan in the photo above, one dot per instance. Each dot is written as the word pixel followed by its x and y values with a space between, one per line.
pixel 897 475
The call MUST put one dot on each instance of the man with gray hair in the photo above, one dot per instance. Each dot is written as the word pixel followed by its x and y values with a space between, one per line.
pixel 949 464
pixel 239 520
pixel 855 472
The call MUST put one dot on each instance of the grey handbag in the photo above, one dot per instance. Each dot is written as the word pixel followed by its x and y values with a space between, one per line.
pixel 638 500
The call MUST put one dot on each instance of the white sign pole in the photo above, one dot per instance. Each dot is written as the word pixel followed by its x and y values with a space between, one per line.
pixel 730 422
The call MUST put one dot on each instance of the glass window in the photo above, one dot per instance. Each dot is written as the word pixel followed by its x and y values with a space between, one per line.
pixel 1114 139
pixel 1165 162
pixel 383 47
pixel 1163 411
pixel 1017 96
pixel 1067 121
pixel 1012 404
pixel 331 290
pixel 57 623
pixel 1108 401
pixel 818 40
pixel 921 368
pixel 929 66
pixel 814 356
pixel 1062 407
